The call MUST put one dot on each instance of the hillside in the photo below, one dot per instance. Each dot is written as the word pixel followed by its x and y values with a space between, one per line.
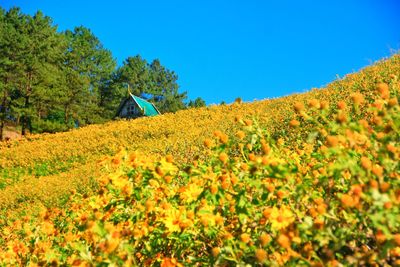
pixel 248 149
pixel 180 134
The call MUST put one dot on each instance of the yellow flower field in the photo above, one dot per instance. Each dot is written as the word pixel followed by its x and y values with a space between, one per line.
pixel 310 179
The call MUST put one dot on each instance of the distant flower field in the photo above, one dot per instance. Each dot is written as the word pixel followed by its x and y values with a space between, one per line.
pixel 306 180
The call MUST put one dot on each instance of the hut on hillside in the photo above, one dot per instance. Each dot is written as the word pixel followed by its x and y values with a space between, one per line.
pixel 134 107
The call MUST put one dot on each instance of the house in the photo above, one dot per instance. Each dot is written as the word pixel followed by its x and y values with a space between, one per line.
pixel 134 106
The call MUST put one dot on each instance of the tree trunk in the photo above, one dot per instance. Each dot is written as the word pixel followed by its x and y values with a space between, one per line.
pixel 66 116
pixel 25 118
pixel 1 129
pixel 3 110
pixel 2 119
pixel 23 129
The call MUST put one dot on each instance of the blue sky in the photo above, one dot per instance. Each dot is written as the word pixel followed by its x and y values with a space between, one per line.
pixel 224 49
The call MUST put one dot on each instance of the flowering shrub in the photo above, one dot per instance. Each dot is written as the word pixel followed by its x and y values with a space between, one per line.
pixel 326 192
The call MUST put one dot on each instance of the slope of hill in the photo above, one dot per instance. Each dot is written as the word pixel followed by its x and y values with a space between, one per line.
pixel 180 134
pixel 272 192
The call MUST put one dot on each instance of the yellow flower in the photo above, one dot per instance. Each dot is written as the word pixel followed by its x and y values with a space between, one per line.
pixel 166 166
pixel 191 193
pixel 172 220
pixel 281 218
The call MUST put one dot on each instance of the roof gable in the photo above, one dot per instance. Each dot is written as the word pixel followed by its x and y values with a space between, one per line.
pixel 148 109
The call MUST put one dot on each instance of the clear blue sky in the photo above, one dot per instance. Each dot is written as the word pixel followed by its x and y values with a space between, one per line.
pixel 223 49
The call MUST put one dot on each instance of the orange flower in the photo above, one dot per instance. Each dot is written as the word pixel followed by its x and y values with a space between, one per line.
pixel 373 183
pixel 170 262
pixel 294 123
pixel 271 188
pixel 266 149
pixel 324 104
pixel 314 103
pixel 168 178
pixel 245 238
pixel 357 98
pixel 341 105
pixel 244 166
pixel 116 161
pixel 261 255
pixel 223 138
pixel 377 170
pixel 240 135
pixel 208 143
pixel 393 102
pixel 267 212
pixel 347 201
pixel 391 148
pixel 383 89
pixel 169 158
pixel 215 251
pixel 284 241
pixel 332 141
pixel 319 223
pixel 321 208
pixel 384 186
pixel 252 157
pixel 223 157
pixel 366 163
pixel 265 160
pixel 280 194
pixel 396 239
pixel 387 205
pixel 217 133
pixel 234 179
pixel 248 122
pixel 341 117
pixel 357 190
pixel 380 236
pixel 264 239
pixel 364 123
pixel 298 106
pixel 213 189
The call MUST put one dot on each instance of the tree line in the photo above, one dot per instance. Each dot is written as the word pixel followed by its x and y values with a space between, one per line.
pixel 52 81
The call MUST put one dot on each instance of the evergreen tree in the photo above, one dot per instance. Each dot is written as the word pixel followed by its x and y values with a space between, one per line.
pixel 40 54
pixel 89 68
pixel 134 72
pixel 197 103
pixel 51 81
pixel 7 33
pixel 152 81
pixel 164 87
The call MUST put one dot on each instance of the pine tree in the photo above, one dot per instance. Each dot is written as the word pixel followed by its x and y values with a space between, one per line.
pixel 89 68
pixel 40 55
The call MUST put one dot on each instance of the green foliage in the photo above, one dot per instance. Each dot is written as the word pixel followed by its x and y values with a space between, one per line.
pixel 45 72
pixel 89 67
pixel 197 103
pixel 152 81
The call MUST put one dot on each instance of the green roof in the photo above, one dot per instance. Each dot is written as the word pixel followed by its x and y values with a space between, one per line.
pixel 148 108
